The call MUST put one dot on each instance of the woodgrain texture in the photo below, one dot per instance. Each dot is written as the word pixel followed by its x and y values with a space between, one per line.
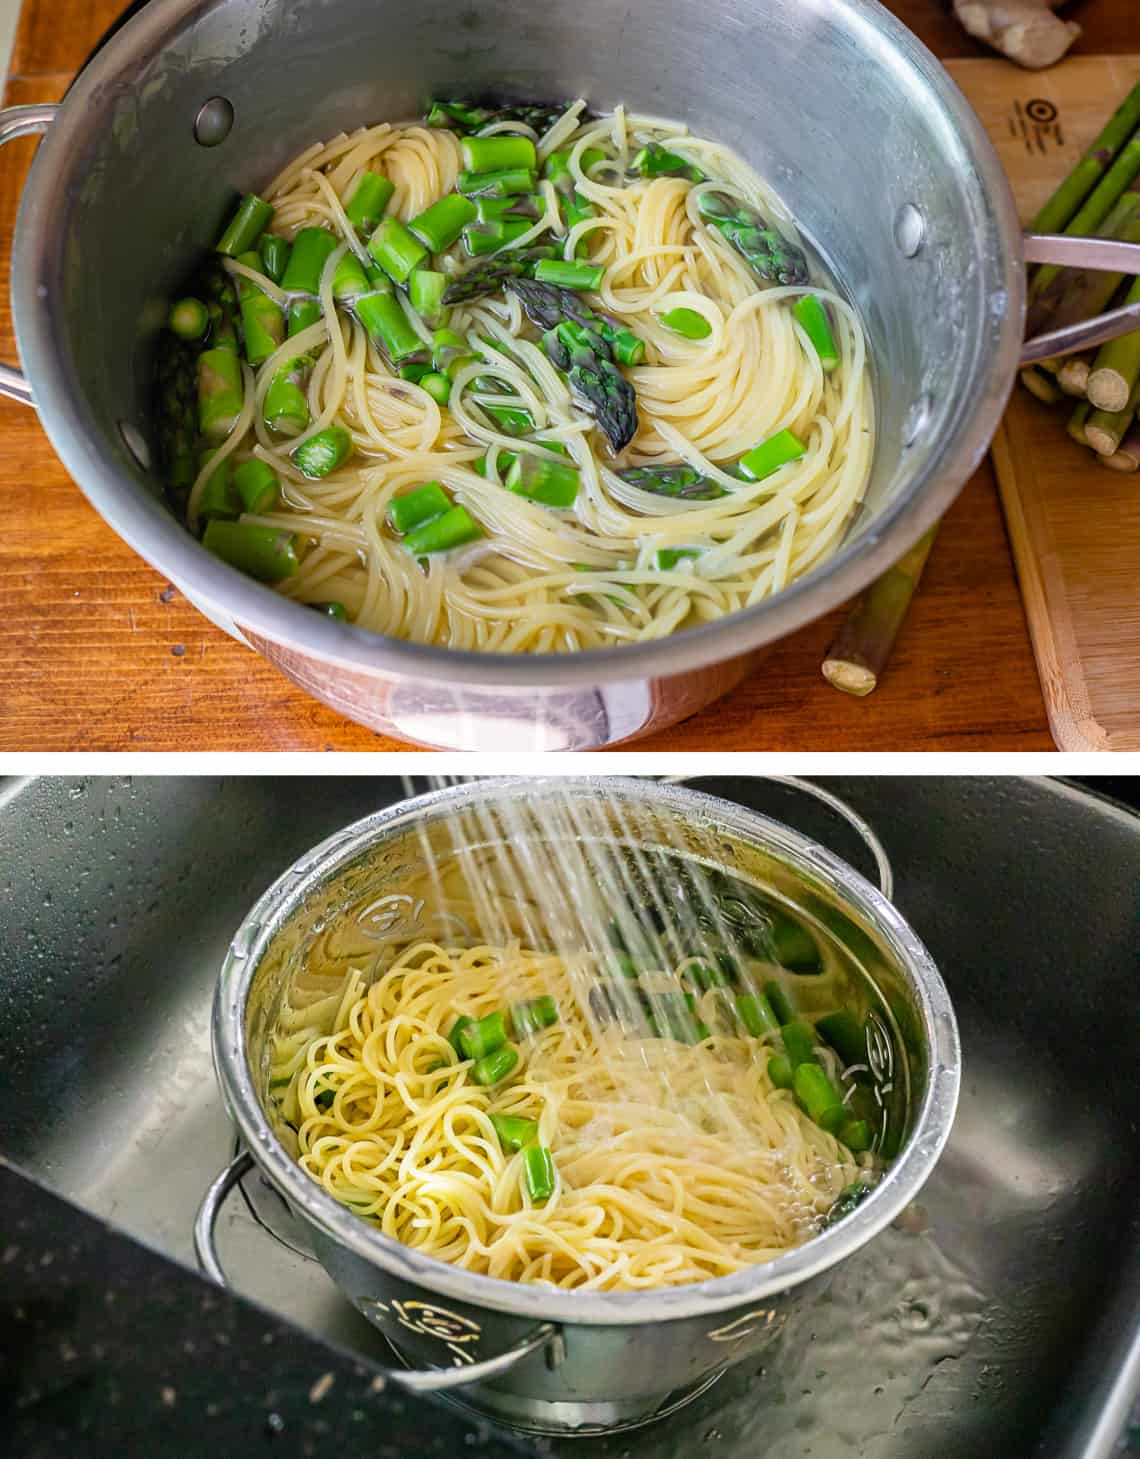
pixel 1075 527
pixel 97 653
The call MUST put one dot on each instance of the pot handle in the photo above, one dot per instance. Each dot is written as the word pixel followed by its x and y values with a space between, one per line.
pixel 22 121
pixel 1107 254
pixel 862 828
pixel 427 1380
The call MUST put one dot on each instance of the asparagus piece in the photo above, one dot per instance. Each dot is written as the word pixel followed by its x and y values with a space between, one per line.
pixel 855 1134
pixel 1126 457
pixel 1117 366
pixel 425 291
pixel 578 346
pixel 1097 206
pixel 370 197
pixel 189 319
pixel 519 205
pixel 349 281
pixel 286 405
pixel 257 486
pixel 780 1071
pixel 1040 385
pixel 245 227
pixel 1064 203
pixel 532 1015
pixel 574 206
pixel 1077 422
pixel 686 322
pixel 767 253
pixel 440 225
pixel 812 317
pixel 568 275
pixel 488 277
pixel 1073 376
pixel 266 553
pixel 819 1096
pixel 437 386
pixel 514 1132
pixel 387 326
pixel 220 391
pixel 262 321
pixel 845 1034
pixel 670 557
pixel 656 161
pixel 756 1014
pixel 311 249
pixel 462 116
pixel 684 482
pixel 323 452
pixel 848 1200
pixel 511 420
pixel 1104 430
pixel 778 450
pixel 860 652
pixel 1077 294
pixel 218 499
pixel 483 238
pixel 275 252
pixel 498 153
pixel 176 392
pixel 503 183
pixel 538 1172
pixel 540 480
pixel 396 250
pixel 484 1036
pixel 414 508
pixel 453 1038
pixel 453 529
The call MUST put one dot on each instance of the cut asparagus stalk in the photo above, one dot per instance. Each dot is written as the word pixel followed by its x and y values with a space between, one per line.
pixel 1117 366
pixel 454 528
pixel 1105 429
pixel 501 184
pixel 437 386
pixel 371 195
pixel 569 275
pixel 483 238
pixel 489 210
pixel 414 508
pixel 286 405
pixel 256 484
pixel 1040 385
pixel 812 317
pixel 388 327
pixel 266 553
pixel 246 226
pixel 686 322
pixel 220 392
pixel 778 450
pixel 426 290
pixel 349 280
pixel 262 320
pixel 396 250
pixel 767 253
pixel 303 313
pixel 498 153
pixel 275 252
pixel 439 226
pixel 1073 376
pixel 656 161
pixel 1067 199
pixel 552 483
pixel 323 453
pixel 1097 206
pixel 462 116
pixel 859 654
pixel 1077 421
pixel 1126 457
pixel 176 401
pixel 311 249
pixel 218 500
pixel 188 319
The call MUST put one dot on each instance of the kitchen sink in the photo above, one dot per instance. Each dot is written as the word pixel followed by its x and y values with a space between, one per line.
pixel 998 1319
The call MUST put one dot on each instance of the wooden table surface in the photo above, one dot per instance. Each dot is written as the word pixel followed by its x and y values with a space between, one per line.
pixel 98 653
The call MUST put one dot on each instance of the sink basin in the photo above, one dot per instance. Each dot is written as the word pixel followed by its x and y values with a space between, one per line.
pixel 1000 1319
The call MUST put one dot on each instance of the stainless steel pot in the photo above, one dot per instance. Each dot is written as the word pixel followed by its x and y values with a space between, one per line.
pixel 535 1357
pixel 859 128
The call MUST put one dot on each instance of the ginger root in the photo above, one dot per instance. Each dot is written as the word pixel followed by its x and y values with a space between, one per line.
pixel 1026 31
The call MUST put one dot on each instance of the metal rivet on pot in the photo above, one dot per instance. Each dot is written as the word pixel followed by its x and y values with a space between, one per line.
pixel 910 230
pixel 917 418
pixel 214 122
pixel 135 444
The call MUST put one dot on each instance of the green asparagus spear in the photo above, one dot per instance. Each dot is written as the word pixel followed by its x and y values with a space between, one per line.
pixel 489 210
pixel 323 452
pixel 218 499
pixel 656 161
pixel 262 320
pixel 1116 368
pixel 396 250
pixel 514 1132
pixel 541 480
pixel 388 327
pixel 494 1068
pixel 498 153
pixel 780 1071
pixel 189 319
pixel 487 278
pixel 485 1036
pixel 425 290
pixel 569 275
pixel 370 197
pixel 286 404
pixel 819 1096
pixel 767 253
pixel 311 249
pixel 246 226
pixel 812 317
pixel 176 411
pixel 266 553
pixel 439 226
pixel 480 239
pixel 501 184
pixel 686 322
pixel 454 528
pixel 578 347
pixel 414 508
pixel 349 281
pixel 1065 201
pixel 220 392
pixel 464 117
pixel 256 484
pixel 684 482
pixel 275 252
pixel 538 1172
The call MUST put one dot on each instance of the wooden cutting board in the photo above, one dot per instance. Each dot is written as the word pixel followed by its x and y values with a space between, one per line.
pixel 1074 526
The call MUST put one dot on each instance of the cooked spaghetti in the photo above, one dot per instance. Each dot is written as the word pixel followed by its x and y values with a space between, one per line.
pixel 636 404
pixel 660 1160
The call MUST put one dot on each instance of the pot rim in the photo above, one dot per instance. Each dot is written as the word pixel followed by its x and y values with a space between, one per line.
pixel 932 1123
pixel 106 479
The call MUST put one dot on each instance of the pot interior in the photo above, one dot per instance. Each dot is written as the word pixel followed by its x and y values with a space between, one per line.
pixel 859 130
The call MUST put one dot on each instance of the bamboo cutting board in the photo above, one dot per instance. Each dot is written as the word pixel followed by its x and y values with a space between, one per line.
pixel 1074 527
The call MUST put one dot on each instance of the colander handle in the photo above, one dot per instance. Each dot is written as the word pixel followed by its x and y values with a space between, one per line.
pixel 426 1380
pixel 21 121
pixel 861 827
pixel 1098 254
